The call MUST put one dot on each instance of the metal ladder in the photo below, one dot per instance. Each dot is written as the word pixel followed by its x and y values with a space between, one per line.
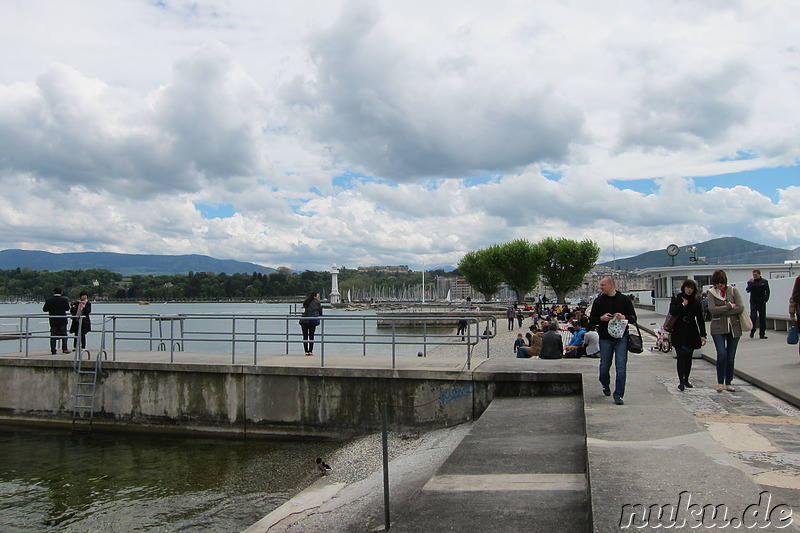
pixel 85 389
pixel 86 381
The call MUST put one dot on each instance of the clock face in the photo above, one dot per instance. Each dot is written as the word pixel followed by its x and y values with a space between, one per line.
pixel 673 249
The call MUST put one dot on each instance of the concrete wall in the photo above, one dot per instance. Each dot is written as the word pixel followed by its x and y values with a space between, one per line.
pixel 269 400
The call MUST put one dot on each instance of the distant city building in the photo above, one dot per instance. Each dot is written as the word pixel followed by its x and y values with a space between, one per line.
pixel 399 269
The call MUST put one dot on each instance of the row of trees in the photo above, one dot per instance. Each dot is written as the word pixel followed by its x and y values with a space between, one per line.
pixel 30 284
pixel 560 263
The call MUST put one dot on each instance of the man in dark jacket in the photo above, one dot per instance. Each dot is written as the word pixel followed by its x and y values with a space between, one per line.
pixel 608 305
pixel 758 288
pixel 552 343
pixel 57 306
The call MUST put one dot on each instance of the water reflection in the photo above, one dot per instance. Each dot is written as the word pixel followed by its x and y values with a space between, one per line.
pixel 59 481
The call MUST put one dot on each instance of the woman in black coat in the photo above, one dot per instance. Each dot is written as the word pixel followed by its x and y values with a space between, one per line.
pixel 82 307
pixel 689 332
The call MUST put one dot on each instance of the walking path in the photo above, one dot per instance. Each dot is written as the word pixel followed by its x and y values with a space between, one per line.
pixel 696 450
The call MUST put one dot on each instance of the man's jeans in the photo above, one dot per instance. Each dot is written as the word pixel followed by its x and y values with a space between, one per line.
pixel 725 344
pixel 758 314
pixel 618 350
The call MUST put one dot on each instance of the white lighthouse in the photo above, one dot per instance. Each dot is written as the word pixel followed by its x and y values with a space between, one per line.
pixel 334 296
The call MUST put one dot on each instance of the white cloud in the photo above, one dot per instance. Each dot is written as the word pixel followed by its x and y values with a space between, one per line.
pixel 126 117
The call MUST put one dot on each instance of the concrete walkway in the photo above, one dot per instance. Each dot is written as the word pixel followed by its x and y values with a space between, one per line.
pixel 688 453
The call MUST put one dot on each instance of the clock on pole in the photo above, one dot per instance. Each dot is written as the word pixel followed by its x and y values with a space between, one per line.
pixel 672 251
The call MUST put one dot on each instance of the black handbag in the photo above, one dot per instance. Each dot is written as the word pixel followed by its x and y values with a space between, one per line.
pixel 635 342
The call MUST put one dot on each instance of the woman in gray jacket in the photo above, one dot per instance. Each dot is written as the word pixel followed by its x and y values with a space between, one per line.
pixel 725 306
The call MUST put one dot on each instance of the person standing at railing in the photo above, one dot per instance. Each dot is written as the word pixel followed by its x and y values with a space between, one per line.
pixel 81 307
pixel 57 306
pixel 312 309
pixel 794 305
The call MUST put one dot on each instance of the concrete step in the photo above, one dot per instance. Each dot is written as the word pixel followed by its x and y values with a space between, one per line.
pixel 521 468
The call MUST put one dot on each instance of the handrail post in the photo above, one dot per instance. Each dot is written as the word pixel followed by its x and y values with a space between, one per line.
pixel 322 343
pixel 27 328
pixel 171 341
pixel 255 341
pixel 394 340
pixel 286 333
pixel 114 337
pixel 233 340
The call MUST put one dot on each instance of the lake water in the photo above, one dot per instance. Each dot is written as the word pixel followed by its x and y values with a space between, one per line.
pixel 53 480
pixel 58 481
pixel 340 332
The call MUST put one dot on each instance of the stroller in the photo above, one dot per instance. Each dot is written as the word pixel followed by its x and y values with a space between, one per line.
pixel 662 341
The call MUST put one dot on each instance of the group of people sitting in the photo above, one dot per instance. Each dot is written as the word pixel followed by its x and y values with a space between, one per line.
pixel 545 340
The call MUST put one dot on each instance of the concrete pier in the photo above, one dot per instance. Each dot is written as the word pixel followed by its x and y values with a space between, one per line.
pixel 549 452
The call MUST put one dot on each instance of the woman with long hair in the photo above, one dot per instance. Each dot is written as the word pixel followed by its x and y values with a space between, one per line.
pixel 311 310
pixel 82 307
pixel 725 306
pixel 690 329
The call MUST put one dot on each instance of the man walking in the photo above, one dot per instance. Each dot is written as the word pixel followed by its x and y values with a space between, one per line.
pixel 608 305
pixel 758 288
pixel 57 306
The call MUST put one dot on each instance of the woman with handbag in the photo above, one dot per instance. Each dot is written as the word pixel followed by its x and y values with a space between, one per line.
pixel 688 329
pixel 725 306
pixel 312 309
pixel 794 305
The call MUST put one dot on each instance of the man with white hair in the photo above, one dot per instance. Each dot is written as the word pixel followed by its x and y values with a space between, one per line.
pixel 611 304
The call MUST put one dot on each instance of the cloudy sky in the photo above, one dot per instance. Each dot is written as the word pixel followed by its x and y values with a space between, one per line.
pixel 363 132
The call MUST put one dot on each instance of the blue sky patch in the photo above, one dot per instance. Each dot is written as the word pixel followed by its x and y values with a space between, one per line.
pixel 766 181
pixel 217 211
pixel 349 180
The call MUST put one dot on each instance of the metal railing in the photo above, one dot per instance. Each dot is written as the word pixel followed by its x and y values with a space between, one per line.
pixel 248 337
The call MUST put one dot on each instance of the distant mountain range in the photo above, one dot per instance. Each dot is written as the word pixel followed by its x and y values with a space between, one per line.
pixel 722 251
pixel 125 264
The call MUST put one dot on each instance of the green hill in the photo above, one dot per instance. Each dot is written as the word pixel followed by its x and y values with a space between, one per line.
pixel 721 251
pixel 125 264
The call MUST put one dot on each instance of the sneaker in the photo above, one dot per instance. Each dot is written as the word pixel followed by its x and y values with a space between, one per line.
pixel 763 337
pixel 606 391
pixel 309 353
pixel 618 401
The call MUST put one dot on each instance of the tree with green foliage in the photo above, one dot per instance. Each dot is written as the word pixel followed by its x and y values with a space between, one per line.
pixel 478 271
pixel 566 262
pixel 518 263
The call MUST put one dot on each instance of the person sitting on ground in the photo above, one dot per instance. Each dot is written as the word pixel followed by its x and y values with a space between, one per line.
pixel 534 347
pixel 520 341
pixel 552 344
pixel 591 341
pixel 575 345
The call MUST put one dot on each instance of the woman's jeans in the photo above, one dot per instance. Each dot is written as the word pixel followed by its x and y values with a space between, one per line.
pixel 726 344
pixel 308 335
pixel 616 349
